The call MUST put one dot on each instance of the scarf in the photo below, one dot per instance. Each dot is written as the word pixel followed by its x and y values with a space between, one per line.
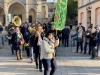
pixel 18 36
pixel 80 34
pixel 39 39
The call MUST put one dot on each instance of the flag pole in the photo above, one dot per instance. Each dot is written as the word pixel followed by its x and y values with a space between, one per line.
pixel 54 13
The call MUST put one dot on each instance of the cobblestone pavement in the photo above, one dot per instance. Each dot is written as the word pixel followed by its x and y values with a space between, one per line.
pixel 69 63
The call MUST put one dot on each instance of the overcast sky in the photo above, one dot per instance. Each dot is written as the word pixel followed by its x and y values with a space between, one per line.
pixel 51 0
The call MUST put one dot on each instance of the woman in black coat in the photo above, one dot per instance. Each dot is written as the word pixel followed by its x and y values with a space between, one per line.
pixel 37 50
pixel 17 42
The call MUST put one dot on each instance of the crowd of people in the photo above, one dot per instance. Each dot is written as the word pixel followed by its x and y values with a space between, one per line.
pixel 40 42
pixel 90 38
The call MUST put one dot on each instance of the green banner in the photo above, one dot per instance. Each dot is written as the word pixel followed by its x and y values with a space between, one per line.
pixel 60 14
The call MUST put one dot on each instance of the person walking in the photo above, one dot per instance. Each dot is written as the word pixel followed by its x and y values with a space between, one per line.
pixel 26 39
pixel 47 54
pixel 37 43
pixel 17 41
pixel 31 43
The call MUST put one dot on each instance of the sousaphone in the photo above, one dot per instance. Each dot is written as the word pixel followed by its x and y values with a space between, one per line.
pixel 16 21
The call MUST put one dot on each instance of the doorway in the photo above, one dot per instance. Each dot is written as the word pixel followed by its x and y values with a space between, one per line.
pixel 30 18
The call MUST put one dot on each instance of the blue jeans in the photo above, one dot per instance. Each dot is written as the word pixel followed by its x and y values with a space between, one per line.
pixel 74 42
pixel 47 63
pixel 31 53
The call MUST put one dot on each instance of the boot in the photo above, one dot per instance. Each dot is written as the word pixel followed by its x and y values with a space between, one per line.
pixel 21 56
pixel 18 58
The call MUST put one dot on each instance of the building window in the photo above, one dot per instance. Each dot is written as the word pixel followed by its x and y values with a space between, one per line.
pixel 48 15
pixel 82 2
pixel 51 10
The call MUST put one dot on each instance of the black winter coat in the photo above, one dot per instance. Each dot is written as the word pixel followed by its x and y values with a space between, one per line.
pixel 34 41
pixel 66 32
pixel 93 39
pixel 14 41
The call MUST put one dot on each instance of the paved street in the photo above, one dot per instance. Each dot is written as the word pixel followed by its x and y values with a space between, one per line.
pixel 69 63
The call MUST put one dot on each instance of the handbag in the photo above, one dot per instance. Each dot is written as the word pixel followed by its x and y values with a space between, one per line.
pixel 21 42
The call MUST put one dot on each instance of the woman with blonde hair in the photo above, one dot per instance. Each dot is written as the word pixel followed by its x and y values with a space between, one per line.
pixel 17 41
pixel 37 39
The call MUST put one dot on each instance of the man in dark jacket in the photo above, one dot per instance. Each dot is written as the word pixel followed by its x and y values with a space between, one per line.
pixel 98 40
pixel 93 42
pixel 22 28
pixel 25 30
pixel 11 31
pixel 87 39
pixel 80 25
pixel 66 32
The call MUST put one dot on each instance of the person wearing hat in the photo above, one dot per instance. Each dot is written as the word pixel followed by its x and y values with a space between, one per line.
pixel 80 25
pixel 87 39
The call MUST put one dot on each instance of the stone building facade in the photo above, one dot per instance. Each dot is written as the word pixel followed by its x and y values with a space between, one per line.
pixel 28 10
pixel 51 10
pixel 89 12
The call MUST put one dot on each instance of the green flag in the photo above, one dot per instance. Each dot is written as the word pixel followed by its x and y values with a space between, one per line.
pixel 60 14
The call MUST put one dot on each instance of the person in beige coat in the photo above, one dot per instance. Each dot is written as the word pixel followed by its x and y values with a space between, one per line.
pixel 48 52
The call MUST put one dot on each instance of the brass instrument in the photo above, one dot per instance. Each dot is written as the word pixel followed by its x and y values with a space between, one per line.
pixel 16 21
